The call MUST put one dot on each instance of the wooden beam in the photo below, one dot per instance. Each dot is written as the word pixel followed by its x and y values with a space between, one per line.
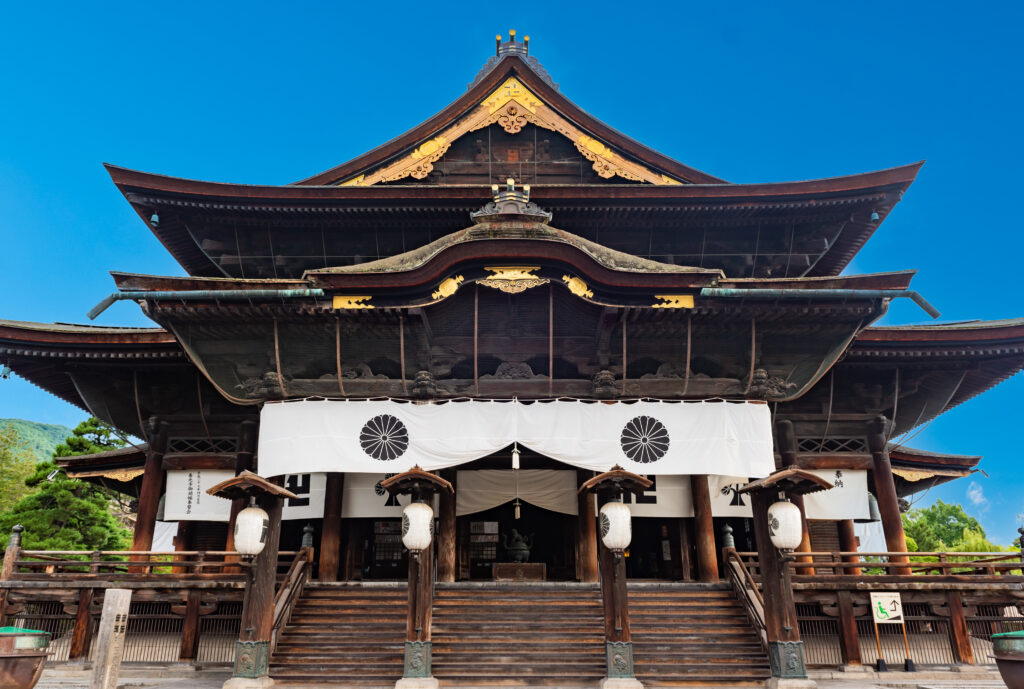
pixel 707 554
pixel 330 531
pixel 586 533
pixel 785 437
pixel 189 649
pixel 840 461
pixel 885 491
pixel 959 634
pixel 222 462
pixel 849 643
pixel 152 487
pixel 446 531
pixel 848 544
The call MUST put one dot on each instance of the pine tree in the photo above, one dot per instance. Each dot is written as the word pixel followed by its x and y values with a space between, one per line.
pixel 16 465
pixel 64 513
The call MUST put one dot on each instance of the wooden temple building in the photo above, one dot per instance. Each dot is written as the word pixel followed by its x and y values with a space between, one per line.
pixel 481 294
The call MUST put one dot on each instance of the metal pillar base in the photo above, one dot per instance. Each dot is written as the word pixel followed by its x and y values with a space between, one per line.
pixel 252 659
pixel 618 659
pixel 417 660
pixel 787 659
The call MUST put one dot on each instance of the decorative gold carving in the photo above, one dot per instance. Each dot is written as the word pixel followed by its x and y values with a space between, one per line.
pixel 347 302
pixel 448 287
pixel 910 475
pixel 511 90
pixel 577 286
pixel 606 162
pixel 513 279
pixel 673 301
pixel 511 106
pixel 123 475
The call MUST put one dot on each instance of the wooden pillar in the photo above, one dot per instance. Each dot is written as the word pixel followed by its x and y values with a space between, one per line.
pixel 785 650
pixel 586 533
pixel 959 634
pixel 849 643
pixel 258 614
pixel 11 553
pixel 707 554
pixel 181 539
pixel 885 490
pixel 446 531
pixel 685 549
pixel 248 437
pixel 189 649
pixel 848 544
pixel 152 487
pixel 81 634
pixel 785 437
pixel 330 532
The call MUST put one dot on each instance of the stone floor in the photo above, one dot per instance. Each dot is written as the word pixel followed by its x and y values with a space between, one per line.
pixel 185 677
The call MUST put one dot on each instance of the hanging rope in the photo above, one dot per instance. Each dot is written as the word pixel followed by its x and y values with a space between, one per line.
pixel 337 354
pixel 753 354
pixel 686 376
pixel 401 350
pixel 277 359
pixel 625 312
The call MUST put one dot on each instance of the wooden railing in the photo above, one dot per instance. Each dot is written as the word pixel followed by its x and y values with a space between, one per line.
pixel 290 591
pixel 29 565
pixel 873 564
pixel 747 592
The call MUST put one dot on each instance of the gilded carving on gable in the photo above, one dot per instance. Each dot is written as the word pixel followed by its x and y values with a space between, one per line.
pixel 511 106
pixel 513 279
pixel 577 286
pixel 448 287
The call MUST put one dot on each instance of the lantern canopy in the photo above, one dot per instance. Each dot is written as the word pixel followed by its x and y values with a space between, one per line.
pixel 417 526
pixel 616 526
pixel 251 527
pixel 784 525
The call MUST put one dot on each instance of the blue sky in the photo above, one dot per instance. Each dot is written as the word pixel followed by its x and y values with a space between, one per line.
pixel 262 93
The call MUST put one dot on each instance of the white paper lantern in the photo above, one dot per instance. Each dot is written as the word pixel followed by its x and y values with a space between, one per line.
pixel 616 526
pixel 784 525
pixel 417 525
pixel 251 527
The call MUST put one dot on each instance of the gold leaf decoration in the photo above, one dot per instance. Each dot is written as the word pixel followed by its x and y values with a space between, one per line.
pixel 347 302
pixel 512 279
pixel 448 287
pixel 673 301
pixel 577 286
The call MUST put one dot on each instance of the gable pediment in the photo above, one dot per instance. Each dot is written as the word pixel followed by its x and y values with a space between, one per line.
pixel 512 107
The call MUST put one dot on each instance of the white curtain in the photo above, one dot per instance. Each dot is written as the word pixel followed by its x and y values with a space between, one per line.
pixel 389 436
pixel 553 490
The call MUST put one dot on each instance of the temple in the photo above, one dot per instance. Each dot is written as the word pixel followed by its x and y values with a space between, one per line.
pixel 522 302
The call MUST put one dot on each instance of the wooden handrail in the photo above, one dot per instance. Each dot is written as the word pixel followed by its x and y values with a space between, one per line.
pixel 746 590
pixel 290 590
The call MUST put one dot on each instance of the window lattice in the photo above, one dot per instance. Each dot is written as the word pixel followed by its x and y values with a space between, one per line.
pixel 832 445
pixel 202 445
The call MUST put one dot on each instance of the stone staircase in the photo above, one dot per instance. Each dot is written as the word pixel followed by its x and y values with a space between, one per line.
pixel 518 634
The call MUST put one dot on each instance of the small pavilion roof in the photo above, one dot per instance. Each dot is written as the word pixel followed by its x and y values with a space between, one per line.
pixel 119 469
pixel 917 470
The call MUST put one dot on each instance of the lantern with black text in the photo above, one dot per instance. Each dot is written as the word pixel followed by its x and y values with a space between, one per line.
pixel 417 526
pixel 251 527
pixel 784 525
pixel 616 527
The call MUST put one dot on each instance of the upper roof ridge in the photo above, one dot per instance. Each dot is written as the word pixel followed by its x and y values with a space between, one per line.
pixel 519 49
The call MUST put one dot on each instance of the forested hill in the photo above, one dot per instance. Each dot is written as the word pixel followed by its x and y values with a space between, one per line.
pixel 40 437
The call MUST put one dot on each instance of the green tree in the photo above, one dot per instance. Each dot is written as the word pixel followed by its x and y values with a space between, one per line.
pixel 64 513
pixel 88 438
pixel 16 465
pixel 939 527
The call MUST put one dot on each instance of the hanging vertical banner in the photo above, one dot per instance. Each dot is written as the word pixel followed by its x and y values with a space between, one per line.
pixel 187 499
pixel 363 496
pixel 726 501
pixel 847 499
pixel 309 490
pixel 668 496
